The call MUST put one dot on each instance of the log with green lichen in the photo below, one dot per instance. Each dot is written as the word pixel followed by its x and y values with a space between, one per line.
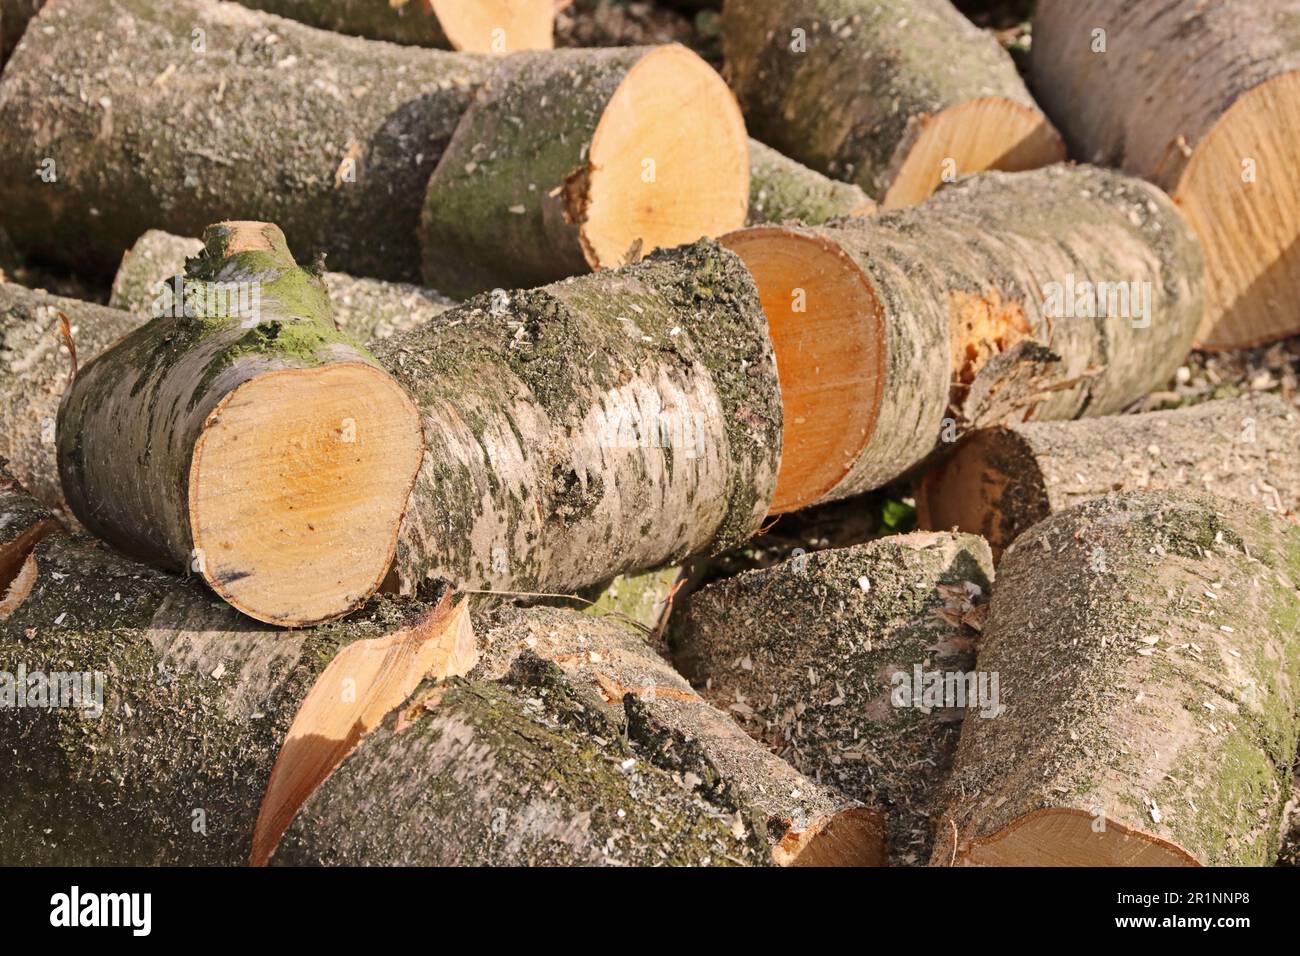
pixel 896 96
pixel 781 189
pixel 365 309
pixel 640 148
pixel 206 111
pixel 245 438
pixel 829 659
pixel 1003 480
pixel 1148 654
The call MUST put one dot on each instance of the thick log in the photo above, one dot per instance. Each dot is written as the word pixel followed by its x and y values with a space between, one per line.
pixel 1049 294
pixel 366 309
pixel 483 26
pixel 895 96
pixel 249 440
pixel 643 147
pixel 826 657
pixel 1148 658
pixel 781 189
pixel 1001 481
pixel 1210 96
pixel 186 113
pixel 190 712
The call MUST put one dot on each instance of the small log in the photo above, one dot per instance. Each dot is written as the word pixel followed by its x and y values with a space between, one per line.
pixel 483 26
pixel 824 658
pixel 643 148
pixel 1001 481
pixel 781 189
pixel 207 111
pixel 896 334
pixel 1146 645
pixel 896 96
pixel 366 309
pixel 280 453
pixel 1202 99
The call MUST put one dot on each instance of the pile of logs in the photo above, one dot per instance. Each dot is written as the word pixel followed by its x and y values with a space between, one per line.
pixel 385 513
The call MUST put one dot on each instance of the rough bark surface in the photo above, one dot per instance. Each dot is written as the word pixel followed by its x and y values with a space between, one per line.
pixel 331 137
pixel 1004 480
pixel 781 189
pixel 816 657
pixel 1148 655
pixel 365 309
pixel 609 423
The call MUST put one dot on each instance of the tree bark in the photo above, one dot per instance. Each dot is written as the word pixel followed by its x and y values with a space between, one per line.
pixel 1215 126
pixel 644 147
pixel 822 658
pixel 781 189
pixel 891 95
pixel 245 438
pixel 449 24
pixel 199 705
pixel 1147 652
pixel 366 309
pixel 1052 294
pixel 186 113
pixel 1003 480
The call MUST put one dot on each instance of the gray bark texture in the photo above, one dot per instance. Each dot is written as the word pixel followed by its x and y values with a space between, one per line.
pixel 781 189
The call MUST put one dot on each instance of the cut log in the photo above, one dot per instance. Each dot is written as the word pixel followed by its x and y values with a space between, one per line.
pixel 202 709
pixel 279 453
pixel 481 26
pixel 1049 294
pixel 1210 96
pixel 1147 650
pixel 896 96
pixel 830 660
pixel 781 189
pixel 1003 480
pixel 366 309
pixel 332 137
pixel 14 16
pixel 643 148
pixel 609 423
pixel 36 369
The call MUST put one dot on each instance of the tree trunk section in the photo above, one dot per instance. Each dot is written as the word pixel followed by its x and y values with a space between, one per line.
pixel 894 96
pixel 1050 294
pixel 1211 94
pixel 643 147
pixel 186 113
pixel 1003 480
pixel 245 438
pixel 366 309
pixel 1147 650
pixel 781 189
pixel 824 658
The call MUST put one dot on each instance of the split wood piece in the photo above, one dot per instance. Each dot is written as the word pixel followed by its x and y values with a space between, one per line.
pixel 1148 658
pixel 641 148
pixel 14 16
pixel 280 453
pixel 1211 114
pixel 897 333
pixel 24 521
pixel 609 423
pixel 479 26
pixel 206 715
pixel 1003 480
pixel 781 189
pixel 36 369
pixel 366 309
pixel 826 657
pixel 332 137
pixel 807 824
pixel 894 95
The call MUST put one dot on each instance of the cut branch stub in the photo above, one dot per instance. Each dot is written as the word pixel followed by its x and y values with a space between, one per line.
pixel 584 159
pixel 279 453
